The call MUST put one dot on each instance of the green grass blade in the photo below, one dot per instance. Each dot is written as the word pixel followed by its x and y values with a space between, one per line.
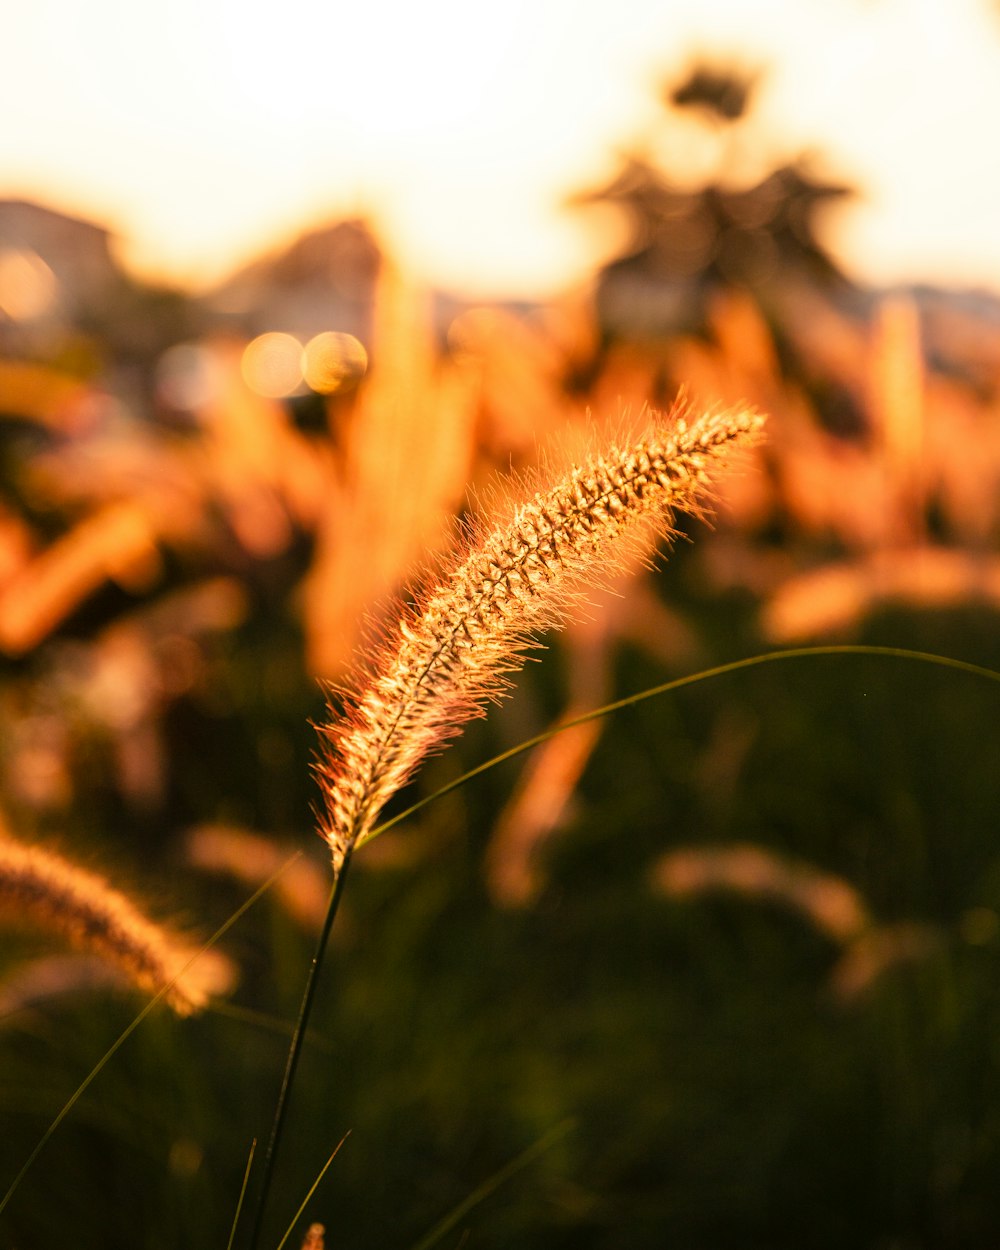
pixel 243 1194
pixel 721 670
pixel 493 1183
pixel 312 1189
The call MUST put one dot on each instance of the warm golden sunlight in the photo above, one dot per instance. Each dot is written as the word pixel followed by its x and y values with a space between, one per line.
pixel 355 353
pixel 206 131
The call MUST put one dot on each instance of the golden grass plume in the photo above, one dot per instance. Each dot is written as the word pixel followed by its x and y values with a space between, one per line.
pixel 45 890
pixel 446 656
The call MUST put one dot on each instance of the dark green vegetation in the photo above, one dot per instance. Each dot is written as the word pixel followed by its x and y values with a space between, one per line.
pixel 720 1092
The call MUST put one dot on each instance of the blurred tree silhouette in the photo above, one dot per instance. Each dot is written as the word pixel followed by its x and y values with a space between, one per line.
pixel 684 244
pixel 723 94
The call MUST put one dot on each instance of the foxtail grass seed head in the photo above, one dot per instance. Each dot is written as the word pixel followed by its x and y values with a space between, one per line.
pixel 443 658
pixel 43 889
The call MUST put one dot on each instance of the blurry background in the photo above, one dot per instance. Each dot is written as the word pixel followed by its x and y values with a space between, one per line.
pixel 203 132
pixel 281 290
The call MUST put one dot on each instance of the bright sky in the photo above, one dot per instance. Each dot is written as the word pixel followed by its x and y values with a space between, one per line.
pixel 205 130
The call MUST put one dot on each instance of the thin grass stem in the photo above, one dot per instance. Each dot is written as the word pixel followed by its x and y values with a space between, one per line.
pixel 295 1052
pixel 243 1194
pixel 312 1189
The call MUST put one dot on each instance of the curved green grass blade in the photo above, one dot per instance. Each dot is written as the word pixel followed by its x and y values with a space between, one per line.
pixel 720 670
pixel 494 1182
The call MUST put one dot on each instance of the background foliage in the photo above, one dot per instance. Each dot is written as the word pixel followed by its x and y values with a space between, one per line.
pixel 740 947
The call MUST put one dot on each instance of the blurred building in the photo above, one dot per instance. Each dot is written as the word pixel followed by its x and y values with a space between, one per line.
pixel 66 301
pixel 323 281
pixel 55 272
